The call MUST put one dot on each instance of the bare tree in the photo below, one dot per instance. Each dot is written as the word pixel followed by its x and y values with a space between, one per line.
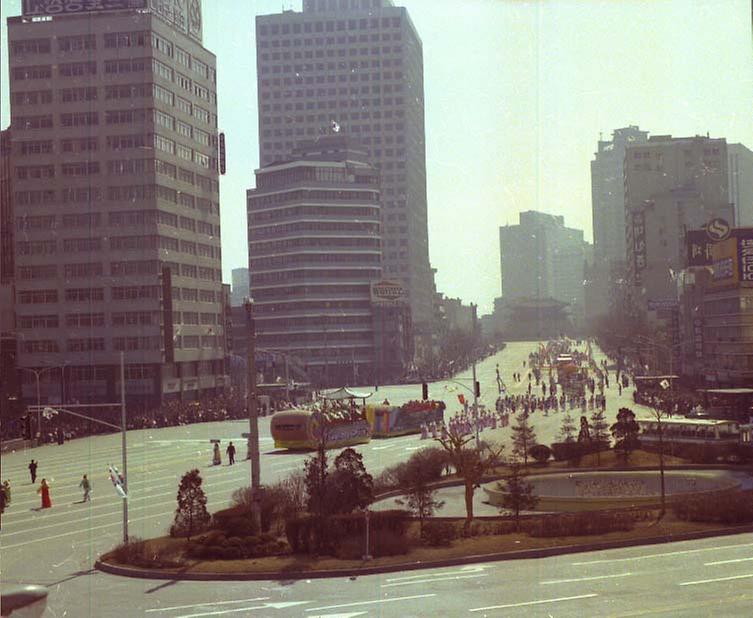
pixel 471 464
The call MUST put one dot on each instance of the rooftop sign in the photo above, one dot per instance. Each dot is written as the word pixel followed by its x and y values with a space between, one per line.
pixel 63 7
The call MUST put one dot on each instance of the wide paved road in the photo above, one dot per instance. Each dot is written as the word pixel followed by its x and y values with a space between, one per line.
pixel 58 547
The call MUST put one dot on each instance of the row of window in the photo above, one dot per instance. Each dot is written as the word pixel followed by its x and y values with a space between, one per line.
pixel 305 259
pixel 330 26
pixel 329 50
pixel 88 244
pixel 131 292
pixel 115 40
pixel 86 195
pixel 117 318
pixel 312 227
pixel 117 269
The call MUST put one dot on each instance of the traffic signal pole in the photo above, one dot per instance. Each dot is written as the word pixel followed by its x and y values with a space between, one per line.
pixel 253 417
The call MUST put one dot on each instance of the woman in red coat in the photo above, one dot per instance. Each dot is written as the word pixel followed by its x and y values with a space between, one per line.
pixel 44 489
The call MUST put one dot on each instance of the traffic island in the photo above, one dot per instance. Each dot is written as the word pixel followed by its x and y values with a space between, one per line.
pixel 494 539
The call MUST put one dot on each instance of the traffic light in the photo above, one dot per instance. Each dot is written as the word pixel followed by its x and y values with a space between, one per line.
pixel 477 388
pixel 424 391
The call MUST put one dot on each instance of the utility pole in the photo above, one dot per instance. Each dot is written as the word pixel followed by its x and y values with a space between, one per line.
pixel 475 390
pixel 253 416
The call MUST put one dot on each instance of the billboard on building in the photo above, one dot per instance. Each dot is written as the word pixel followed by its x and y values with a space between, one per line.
pixel 387 293
pixel 62 7
pixel 183 15
pixel 724 264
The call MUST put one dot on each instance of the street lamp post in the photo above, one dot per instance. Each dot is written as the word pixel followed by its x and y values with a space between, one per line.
pixel 37 374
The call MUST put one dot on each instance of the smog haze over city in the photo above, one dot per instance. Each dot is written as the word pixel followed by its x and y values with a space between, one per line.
pixel 359 308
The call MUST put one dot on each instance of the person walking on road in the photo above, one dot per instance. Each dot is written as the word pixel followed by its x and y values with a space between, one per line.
pixel 87 487
pixel 230 453
pixel 216 458
pixel 44 489
pixel 33 471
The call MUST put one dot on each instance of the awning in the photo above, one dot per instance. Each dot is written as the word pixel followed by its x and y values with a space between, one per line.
pixel 345 393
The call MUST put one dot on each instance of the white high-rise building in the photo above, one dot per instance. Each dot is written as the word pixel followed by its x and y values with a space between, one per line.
pixel 356 67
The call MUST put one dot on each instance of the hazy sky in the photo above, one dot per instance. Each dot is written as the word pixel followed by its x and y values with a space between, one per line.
pixel 517 94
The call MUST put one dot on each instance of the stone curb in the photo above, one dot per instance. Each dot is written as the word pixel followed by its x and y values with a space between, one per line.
pixel 176 575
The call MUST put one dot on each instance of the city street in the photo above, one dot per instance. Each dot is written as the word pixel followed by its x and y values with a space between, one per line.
pixel 58 547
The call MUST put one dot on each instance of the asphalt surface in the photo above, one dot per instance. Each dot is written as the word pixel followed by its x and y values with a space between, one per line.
pixel 58 547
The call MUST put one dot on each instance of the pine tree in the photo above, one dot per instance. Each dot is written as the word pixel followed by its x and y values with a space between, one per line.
pixel 599 432
pixel 518 494
pixel 625 432
pixel 191 515
pixel 567 430
pixel 523 437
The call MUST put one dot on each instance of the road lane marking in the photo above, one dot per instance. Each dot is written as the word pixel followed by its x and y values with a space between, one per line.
pixel 389 600
pixel 87 530
pixel 540 602
pixel 727 561
pixel 277 605
pixel 669 553
pixel 716 579
pixel 463 571
pixel 435 579
pixel 584 579
pixel 168 609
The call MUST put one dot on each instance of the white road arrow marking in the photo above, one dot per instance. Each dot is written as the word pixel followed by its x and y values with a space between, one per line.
pixel 278 605
pixel 169 609
pixel 388 600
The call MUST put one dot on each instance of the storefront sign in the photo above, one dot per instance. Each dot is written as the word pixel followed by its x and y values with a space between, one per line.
pixel 61 7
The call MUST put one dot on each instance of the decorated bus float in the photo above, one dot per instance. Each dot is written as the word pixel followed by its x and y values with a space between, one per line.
pixel 336 418
pixel 388 421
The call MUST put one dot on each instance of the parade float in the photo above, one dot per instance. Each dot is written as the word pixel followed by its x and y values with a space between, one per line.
pixel 388 421
pixel 335 418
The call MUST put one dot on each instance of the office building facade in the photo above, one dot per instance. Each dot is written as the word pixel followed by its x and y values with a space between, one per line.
pixel 240 291
pixel 608 212
pixel 740 171
pixel 672 186
pixel 314 251
pixel 541 258
pixel 116 197
pixel 357 67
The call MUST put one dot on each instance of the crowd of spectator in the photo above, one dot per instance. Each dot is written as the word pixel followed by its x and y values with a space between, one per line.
pixel 170 414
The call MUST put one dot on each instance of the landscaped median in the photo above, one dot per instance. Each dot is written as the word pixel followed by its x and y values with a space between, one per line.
pixel 485 546
pixel 300 534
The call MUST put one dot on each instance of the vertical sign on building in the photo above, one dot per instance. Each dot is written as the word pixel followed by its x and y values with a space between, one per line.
pixel 639 244
pixel 222 152
pixel 745 257
pixel 167 314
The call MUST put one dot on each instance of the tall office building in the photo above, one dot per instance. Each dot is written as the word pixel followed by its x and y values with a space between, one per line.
pixel 116 196
pixel 355 66
pixel 314 253
pixel 240 286
pixel 740 171
pixel 608 211
pixel 672 185
pixel 542 259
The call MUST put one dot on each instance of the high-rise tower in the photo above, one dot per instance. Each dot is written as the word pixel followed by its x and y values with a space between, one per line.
pixel 116 199
pixel 355 67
